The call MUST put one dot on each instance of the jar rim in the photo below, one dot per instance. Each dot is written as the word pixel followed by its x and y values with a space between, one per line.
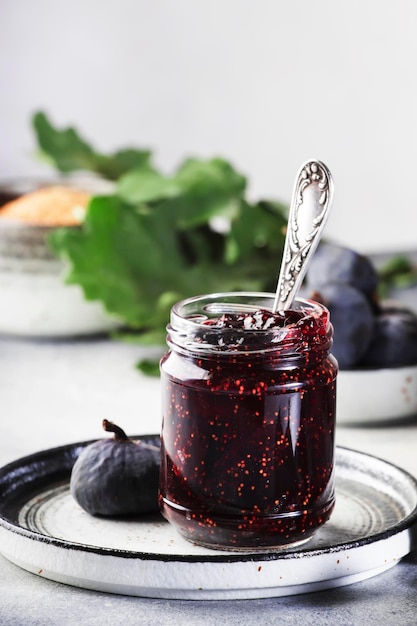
pixel 189 328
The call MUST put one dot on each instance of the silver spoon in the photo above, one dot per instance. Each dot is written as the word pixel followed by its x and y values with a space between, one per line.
pixel 310 206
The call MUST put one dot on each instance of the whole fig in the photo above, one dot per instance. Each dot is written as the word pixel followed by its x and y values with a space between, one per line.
pixel 117 476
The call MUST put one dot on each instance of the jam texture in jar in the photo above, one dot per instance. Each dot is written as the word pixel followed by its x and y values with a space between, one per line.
pixel 248 421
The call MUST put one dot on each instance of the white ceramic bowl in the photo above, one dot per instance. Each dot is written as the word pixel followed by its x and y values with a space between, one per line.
pixel 35 301
pixel 366 396
pixel 376 395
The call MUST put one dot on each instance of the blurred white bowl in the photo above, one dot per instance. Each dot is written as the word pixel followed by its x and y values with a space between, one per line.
pixel 379 395
pixel 35 301
pixel 41 305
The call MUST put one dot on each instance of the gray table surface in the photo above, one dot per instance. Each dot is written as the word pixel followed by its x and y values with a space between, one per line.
pixel 57 392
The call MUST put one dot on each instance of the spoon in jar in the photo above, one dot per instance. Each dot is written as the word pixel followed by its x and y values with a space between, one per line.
pixel 309 210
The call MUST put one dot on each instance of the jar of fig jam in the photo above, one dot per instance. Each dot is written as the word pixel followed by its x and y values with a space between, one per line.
pixel 248 421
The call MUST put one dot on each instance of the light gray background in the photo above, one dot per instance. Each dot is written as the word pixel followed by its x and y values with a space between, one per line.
pixel 264 83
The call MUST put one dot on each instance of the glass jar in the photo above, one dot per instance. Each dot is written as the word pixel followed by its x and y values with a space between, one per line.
pixel 248 422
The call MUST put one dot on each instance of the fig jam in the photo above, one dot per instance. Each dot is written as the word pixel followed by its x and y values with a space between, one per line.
pixel 248 421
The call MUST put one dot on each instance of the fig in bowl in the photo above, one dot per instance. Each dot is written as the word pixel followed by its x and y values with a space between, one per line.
pixel 375 341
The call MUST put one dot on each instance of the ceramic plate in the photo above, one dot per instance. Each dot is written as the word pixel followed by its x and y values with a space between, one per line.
pixel 380 395
pixel 44 531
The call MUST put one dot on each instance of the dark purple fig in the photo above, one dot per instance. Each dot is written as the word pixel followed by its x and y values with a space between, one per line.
pixel 352 319
pixel 336 264
pixel 117 476
pixel 394 340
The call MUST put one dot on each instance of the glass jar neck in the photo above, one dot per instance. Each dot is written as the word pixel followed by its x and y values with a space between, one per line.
pixel 197 327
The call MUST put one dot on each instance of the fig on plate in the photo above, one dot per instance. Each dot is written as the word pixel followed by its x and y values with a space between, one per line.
pixel 117 476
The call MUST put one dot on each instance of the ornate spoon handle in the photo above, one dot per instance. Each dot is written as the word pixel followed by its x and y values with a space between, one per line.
pixel 310 205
